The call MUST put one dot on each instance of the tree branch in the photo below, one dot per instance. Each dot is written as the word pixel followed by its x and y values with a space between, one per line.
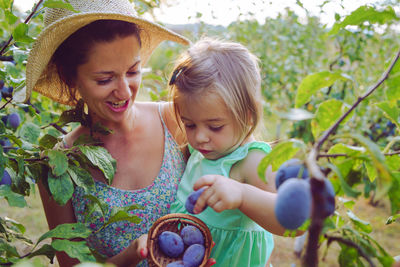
pixel 385 75
pixel 346 155
pixel 350 243
pixel 317 177
pixel 26 21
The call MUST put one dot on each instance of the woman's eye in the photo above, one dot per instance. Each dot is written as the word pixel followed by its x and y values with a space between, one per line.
pixel 103 82
pixel 133 72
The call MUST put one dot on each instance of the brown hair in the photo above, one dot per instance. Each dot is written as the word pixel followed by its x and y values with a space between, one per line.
pixel 226 68
pixel 74 51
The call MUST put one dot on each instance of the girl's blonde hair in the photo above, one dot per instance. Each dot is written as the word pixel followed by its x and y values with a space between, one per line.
pixel 226 68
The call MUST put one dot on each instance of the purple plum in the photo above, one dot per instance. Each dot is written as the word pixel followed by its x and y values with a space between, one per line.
pixel 171 244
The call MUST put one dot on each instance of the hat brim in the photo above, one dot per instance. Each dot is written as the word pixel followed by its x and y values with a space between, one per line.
pixel 42 76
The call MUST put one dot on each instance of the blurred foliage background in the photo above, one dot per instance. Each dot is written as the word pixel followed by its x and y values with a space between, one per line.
pixel 354 52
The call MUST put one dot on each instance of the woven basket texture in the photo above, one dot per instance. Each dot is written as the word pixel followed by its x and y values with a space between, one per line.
pixel 174 222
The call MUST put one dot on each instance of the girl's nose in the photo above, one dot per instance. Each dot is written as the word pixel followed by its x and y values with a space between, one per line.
pixel 201 136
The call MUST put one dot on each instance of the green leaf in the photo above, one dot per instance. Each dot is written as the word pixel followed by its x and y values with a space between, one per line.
pixel 58 162
pixel 10 17
pixel 391 111
pixel 74 249
pixel 347 189
pixel 366 14
pixel 278 155
pixel 363 225
pixel 13 199
pixel 20 33
pixel 378 161
pixel 392 219
pixel 393 84
pixel 6 247
pixel 67 231
pixel 327 114
pixel 314 82
pixel 123 216
pixel 81 177
pixel 61 187
pixel 6 4
pixel 100 158
pixel 45 250
pixel 59 4
pixel 30 132
pixel 48 141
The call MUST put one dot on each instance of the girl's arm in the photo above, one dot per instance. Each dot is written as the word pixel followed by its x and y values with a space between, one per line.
pixel 254 197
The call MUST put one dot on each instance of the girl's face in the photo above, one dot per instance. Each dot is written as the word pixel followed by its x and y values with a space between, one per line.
pixel 109 81
pixel 210 127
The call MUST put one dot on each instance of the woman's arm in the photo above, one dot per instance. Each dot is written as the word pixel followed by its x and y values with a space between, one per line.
pixel 173 127
pixel 55 215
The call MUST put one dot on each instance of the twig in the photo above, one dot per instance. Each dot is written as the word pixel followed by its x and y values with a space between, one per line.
pixel 350 243
pixel 26 21
pixel 385 75
pixel 6 58
pixel 311 255
pixel 58 128
pixel 8 101
pixel 346 155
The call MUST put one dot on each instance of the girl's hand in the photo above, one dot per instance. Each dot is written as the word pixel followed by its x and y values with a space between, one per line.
pixel 222 193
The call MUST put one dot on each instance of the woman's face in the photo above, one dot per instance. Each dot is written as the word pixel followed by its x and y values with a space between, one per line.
pixel 109 81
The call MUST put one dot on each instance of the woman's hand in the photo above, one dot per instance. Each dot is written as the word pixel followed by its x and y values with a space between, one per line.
pixel 222 193
pixel 132 255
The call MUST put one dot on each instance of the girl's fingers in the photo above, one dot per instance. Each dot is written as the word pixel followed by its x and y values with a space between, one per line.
pixel 206 180
pixel 219 206
pixel 201 202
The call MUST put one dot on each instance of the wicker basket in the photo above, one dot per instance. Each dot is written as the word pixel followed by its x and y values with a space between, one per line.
pixel 174 222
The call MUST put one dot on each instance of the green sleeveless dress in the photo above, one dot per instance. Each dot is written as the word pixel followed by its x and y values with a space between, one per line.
pixel 239 241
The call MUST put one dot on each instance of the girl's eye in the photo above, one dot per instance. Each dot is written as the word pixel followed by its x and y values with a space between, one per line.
pixel 216 128
pixel 189 126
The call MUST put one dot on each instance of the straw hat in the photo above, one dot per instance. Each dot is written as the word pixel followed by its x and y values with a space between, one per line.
pixel 61 23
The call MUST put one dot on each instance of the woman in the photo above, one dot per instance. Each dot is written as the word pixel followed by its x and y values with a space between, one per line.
pixel 97 55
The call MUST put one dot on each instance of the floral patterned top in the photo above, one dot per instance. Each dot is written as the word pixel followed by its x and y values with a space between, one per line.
pixel 156 200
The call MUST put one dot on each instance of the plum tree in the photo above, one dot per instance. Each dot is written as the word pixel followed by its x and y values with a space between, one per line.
pixel 171 244
pixel 193 255
pixel 293 203
pixel 191 235
pixel 192 199
pixel 290 169
pixel 327 204
pixel 14 120
pixel 6 179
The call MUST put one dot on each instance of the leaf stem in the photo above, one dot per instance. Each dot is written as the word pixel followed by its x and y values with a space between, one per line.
pixel 350 243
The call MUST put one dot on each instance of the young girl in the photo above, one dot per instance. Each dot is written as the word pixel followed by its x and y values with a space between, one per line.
pixel 215 90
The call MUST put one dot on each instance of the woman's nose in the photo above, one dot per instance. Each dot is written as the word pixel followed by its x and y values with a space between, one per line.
pixel 123 90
